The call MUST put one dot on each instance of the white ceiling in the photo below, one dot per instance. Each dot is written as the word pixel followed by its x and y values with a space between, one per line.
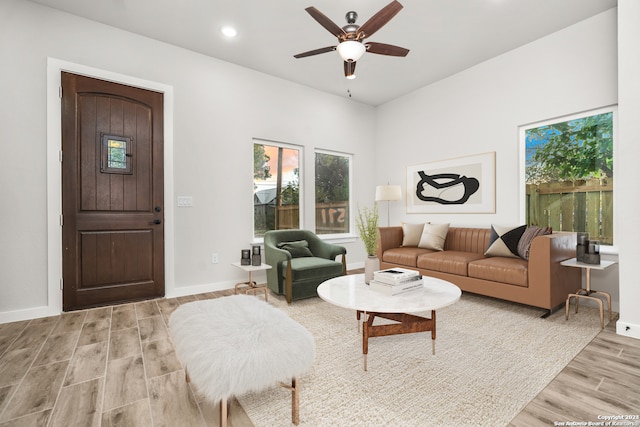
pixel 444 36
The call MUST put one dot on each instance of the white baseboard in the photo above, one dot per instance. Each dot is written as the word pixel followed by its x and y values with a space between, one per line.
pixel 27 314
pixel 178 291
pixel 628 329
pixel 355 266
pixel 45 311
pixel 181 291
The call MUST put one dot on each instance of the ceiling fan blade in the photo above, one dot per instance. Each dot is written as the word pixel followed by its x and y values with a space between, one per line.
pixel 327 23
pixel 349 68
pixel 315 52
pixel 379 19
pixel 386 49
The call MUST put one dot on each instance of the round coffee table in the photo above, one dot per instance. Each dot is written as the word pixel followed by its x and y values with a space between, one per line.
pixel 351 292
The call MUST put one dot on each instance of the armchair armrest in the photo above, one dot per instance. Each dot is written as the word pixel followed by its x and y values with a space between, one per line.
pixel 326 250
pixel 275 256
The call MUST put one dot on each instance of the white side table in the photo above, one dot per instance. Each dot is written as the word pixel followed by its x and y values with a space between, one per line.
pixel 251 286
pixel 587 292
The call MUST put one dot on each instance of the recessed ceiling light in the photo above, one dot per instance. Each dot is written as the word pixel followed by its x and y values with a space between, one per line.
pixel 229 31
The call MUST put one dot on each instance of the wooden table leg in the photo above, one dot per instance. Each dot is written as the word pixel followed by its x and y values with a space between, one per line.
pixel 406 324
pixel 367 322
pixel 433 333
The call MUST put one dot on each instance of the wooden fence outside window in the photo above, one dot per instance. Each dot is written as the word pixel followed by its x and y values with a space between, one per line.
pixel 582 205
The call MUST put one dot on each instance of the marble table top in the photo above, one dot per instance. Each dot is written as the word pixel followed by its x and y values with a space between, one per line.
pixel 351 292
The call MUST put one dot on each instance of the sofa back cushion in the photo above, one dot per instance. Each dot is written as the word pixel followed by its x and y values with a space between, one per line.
pixel 411 234
pixel 433 236
pixel 474 240
pixel 524 245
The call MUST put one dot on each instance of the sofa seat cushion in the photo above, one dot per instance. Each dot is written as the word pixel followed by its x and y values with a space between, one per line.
pixel 308 268
pixel 453 262
pixel 404 256
pixel 500 269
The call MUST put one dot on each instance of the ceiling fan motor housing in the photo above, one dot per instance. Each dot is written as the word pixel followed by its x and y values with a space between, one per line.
pixel 351 28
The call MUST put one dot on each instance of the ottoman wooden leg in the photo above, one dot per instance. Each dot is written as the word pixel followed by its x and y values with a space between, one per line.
pixel 295 402
pixel 224 412
pixel 295 399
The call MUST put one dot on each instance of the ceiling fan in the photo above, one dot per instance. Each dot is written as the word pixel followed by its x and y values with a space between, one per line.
pixel 351 36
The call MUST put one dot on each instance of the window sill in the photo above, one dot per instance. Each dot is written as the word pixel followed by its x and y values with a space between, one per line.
pixel 330 238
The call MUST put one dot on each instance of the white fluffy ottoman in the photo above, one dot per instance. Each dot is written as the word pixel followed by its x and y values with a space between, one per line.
pixel 232 345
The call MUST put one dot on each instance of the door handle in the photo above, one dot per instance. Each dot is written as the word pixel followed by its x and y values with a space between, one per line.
pixel 155 222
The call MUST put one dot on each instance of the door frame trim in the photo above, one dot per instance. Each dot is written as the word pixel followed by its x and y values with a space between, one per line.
pixel 54 174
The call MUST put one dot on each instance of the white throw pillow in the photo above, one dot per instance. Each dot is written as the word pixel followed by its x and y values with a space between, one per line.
pixel 433 236
pixel 411 234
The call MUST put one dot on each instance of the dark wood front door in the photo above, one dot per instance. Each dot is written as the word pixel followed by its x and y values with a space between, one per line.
pixel 112 193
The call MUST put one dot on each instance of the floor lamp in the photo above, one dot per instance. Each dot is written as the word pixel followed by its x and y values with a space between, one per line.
pixel 388 193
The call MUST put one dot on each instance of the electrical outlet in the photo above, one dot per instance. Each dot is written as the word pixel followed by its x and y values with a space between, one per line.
pixel 214 258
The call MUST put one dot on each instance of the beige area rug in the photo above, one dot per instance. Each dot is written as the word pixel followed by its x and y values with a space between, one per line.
pixel 492 358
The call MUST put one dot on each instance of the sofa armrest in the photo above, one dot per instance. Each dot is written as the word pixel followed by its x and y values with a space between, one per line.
pixel 545 271
pixel 390 237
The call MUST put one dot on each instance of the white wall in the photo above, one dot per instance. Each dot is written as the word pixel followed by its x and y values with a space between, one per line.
pixel 627 163
pixel 218 109
pixel 480 109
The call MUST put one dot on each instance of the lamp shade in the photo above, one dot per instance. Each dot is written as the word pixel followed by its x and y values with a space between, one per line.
pixel 388 193
pixel 351 50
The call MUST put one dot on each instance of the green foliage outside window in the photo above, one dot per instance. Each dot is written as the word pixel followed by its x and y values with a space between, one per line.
pixel 569 175
pixel 261 169
pixel 332 178
pixel 291 192
pixel 276 188
pixel 575 149
pixel 332 193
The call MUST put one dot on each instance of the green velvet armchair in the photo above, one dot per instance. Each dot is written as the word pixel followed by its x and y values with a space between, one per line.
pixel 300 261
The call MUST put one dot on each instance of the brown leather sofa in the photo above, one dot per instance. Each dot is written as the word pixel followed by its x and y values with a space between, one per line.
pixel 540 282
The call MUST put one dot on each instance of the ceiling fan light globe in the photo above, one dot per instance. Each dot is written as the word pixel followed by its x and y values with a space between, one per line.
pixel 351 50
pixel 351 76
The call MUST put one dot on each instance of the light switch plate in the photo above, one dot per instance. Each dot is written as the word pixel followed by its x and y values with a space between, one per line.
pixel 185 201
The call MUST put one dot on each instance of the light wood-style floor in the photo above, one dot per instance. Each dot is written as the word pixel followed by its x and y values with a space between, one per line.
pixel 111 366
pixel 602 380
pixel 116 366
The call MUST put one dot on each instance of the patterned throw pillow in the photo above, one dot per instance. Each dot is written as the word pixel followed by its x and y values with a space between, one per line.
pixel 504 241
pixel 524 246
pixel 297 249
pixel 434 236
pixel 411 234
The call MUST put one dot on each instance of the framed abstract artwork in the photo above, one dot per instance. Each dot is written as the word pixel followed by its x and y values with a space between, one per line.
pixel 460 185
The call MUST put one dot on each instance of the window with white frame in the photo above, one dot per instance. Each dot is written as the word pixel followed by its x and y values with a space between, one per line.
pixel 276 186
pixel 569 173
pixel 333 192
